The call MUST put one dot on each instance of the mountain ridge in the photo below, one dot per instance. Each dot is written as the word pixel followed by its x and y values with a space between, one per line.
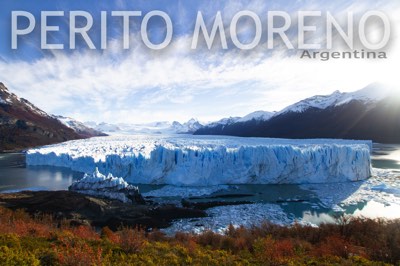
pixel 23 125
pixel 79 127
pixel 370 113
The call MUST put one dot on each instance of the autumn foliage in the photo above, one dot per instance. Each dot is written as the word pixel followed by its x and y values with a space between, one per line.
pixel 40 240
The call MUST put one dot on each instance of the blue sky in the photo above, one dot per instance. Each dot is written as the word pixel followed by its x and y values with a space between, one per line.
pixel 177 83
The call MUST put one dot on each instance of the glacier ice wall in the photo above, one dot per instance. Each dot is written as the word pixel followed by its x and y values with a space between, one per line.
pixel 205 160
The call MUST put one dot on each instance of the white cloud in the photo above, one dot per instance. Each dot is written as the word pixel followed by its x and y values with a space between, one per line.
pixel 140 85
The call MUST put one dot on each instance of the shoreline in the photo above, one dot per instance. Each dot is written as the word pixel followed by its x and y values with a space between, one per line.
pixel 80 209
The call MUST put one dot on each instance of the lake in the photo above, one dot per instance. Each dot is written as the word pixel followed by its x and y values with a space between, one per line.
pixel 313 203
pixel 15 175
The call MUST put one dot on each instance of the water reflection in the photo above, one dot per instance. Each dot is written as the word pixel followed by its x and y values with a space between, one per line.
pixel 386 156
pixel 373 209
pixel 309 203
pixel 15 175
pixel 317 218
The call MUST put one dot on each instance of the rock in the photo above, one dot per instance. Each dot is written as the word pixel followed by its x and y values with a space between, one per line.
pixel 79 209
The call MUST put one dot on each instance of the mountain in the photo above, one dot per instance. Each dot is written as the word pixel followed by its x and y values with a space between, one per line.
pixel 79 127
pixel 369 95
pixel 371 113
pixel 220 126
pixel 23 125
pixel 189 127
pixel 217 126
pixel 257 115
pixel 161 127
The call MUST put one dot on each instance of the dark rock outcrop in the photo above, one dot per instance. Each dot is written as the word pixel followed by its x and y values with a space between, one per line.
pixel 81 209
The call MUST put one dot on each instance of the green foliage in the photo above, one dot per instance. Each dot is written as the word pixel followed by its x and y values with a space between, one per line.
pixel 14 256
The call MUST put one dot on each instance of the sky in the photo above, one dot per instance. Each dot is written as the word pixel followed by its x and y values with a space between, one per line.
pixel 140 85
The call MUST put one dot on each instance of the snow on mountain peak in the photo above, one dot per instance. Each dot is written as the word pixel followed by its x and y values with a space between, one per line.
pixel 69 122
pixel 372 93
pixel 228 120
pixel 192 121
pixel 257 115
pixel 78 127
pixel 148 128
pixel 105 127
pixel 189 127
pixel 33 107
pixel 3 87
pixel 6 97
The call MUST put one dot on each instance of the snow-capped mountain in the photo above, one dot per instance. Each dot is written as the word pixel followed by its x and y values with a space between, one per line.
pixel 175 127
pixel 10 99
pixel 257 115
pixel 23 125
pixel 370 94
pixel 161 127
pixel 189 127
pixel 106 127
pixel 79 127
pixel 370 113
pixel 222 123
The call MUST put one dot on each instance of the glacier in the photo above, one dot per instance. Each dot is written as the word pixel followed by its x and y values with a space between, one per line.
pixel 97 184
pixel 187 160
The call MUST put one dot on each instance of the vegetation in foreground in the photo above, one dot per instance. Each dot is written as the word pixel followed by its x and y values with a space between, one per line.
pixel 40 240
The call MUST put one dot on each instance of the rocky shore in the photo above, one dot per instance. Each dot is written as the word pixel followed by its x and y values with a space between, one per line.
pixel 80 209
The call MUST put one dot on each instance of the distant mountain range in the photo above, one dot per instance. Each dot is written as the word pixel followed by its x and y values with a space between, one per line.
pixel 23 125
pixel 371 113
pixel 163 127
pixel 175 127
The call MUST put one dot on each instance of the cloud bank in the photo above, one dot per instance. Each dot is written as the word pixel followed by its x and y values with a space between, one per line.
pixel 140 85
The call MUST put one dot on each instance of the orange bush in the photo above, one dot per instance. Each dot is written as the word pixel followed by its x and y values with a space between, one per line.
pixel 352 241
pixel 85 232
pixel 187 240
pixel 131 240
pixel 110 235
pixel 334 246
pixel 78 253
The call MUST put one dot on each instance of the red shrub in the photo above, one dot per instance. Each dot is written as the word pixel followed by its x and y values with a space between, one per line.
pixel 76 253
pixel 334 246
pixel 110 235
pixel 85 232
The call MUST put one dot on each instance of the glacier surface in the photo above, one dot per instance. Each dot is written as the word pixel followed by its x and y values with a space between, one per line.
pixel 211 160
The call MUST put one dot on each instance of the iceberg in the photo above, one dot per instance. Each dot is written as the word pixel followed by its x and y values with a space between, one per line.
pixel 109 187
pixel 211 160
